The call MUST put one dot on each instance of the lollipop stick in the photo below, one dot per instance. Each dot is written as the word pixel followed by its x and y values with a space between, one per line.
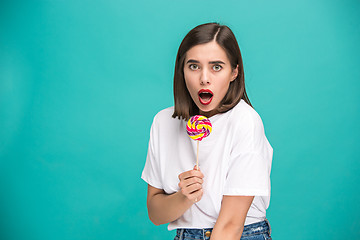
pixel 197 156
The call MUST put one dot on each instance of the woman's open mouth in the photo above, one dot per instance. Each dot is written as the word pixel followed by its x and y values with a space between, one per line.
pixel 205 96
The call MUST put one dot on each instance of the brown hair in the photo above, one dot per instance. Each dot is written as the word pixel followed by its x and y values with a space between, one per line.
pixel 184 105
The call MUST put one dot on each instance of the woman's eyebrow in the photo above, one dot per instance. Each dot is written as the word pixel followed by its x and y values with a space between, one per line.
pixel 211 62
pixel 217 62
pixel 192 61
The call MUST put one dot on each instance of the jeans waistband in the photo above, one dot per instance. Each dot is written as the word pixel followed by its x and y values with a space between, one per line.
pixel 257 228
pixel 204 233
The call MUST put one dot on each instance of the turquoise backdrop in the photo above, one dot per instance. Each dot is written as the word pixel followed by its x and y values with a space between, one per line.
pixel 80 82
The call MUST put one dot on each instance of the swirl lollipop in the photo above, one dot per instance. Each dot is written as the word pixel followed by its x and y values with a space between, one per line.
pixel 198 127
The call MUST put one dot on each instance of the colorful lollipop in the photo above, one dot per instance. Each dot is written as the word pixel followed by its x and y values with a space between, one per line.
pixel 198 127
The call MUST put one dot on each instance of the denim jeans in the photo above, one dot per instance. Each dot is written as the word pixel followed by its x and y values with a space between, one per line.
pixel 255 231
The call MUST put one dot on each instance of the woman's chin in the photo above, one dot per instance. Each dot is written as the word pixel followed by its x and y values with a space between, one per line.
pixel 207 112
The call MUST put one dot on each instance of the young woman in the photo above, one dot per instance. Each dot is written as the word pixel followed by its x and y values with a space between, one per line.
pixel 228 196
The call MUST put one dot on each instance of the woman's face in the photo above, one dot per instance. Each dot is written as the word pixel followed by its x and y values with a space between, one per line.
pixel 208 74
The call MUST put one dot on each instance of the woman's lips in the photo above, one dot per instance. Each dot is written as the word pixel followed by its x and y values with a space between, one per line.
pixel 205 96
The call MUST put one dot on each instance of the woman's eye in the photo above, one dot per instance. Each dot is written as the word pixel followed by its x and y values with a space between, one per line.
pixel 194 67
pixel 217 68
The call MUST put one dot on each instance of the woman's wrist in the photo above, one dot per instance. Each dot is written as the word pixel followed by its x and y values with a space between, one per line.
pixel 227 232
pixel 186 201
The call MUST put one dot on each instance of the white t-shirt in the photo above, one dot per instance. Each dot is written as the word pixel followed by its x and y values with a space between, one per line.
pixel 235 160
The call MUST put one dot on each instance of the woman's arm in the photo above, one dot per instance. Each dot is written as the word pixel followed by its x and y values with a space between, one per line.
pixel 164 208
pixel 230 223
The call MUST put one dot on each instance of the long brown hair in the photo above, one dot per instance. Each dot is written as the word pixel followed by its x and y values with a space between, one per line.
pixel 184 105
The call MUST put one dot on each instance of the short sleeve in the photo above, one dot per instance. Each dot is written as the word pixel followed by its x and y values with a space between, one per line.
pixel 250 160
pixel 151 172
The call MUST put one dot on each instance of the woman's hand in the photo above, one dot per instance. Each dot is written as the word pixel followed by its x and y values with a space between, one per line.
pixel 191 184
pixel 165 208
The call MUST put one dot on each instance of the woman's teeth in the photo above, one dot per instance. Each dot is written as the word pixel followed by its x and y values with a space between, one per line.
pixel 205 97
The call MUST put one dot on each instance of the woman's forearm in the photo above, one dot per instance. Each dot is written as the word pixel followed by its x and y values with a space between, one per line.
pixel 165 208
pixel 227 232
pixel 231 220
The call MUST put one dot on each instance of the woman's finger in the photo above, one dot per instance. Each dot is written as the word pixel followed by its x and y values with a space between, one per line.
pixel 191 173
pixel 191 189
pixel 190 181
pixel 196 196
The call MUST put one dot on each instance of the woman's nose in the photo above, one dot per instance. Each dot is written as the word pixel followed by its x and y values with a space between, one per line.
pixel 204 77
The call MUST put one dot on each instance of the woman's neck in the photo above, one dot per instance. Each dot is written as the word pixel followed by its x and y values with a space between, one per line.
pixel 208 114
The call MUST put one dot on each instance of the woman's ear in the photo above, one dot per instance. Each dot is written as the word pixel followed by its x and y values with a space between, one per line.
pixel 235 73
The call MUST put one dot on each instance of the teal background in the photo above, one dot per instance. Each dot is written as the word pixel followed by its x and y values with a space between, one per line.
pixel 80 82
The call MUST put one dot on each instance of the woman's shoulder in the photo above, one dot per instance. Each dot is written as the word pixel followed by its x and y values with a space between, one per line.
pixel 247 122
pixel 164 117
pixel 165 113
pixel 244 113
